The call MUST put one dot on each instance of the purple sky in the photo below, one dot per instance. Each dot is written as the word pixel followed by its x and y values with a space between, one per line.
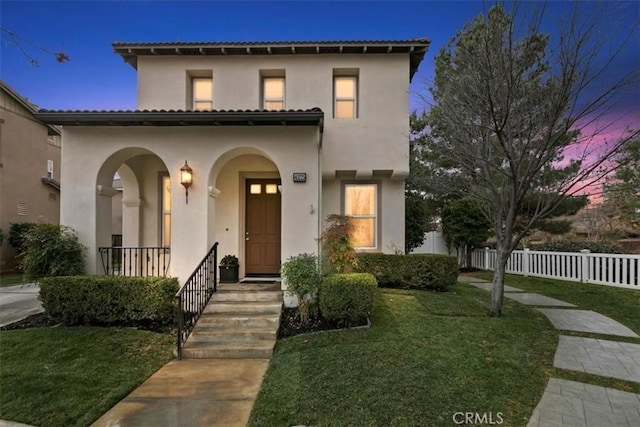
pixel 96 78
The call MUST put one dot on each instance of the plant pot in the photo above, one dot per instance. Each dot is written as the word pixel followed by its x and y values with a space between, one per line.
pixel 229 274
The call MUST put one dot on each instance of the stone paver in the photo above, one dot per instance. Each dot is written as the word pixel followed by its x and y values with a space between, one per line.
pixel 586 321
pixel 536 300
pixel 487 287
pixel 193 392
pixel 570 403
pixel 600 357
pixel 18 302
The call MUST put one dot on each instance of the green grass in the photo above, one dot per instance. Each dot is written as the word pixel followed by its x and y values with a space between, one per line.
pixel 427 356
pixel 11 279
pixel 620 304
pixel 71 376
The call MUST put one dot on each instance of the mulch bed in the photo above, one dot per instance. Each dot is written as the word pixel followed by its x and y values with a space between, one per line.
pixel 290 324
pixel 41 320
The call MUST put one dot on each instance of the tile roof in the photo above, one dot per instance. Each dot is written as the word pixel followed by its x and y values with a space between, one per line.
pixel 415 48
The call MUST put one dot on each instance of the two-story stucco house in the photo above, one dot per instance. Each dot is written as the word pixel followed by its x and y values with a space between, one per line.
pixel 278 135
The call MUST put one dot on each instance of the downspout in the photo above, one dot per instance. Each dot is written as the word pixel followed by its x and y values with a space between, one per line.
pixel 320 135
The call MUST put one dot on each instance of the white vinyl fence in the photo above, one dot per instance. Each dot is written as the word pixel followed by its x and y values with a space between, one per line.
pixel 604 269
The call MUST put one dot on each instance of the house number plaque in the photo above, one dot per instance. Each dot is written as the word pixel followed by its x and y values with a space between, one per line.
pixel 299 177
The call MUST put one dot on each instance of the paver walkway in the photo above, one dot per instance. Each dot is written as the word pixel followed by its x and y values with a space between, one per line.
pixel 600 357
pixel 536 300
pixel 586 321
pixel 571 403
pixel 487 286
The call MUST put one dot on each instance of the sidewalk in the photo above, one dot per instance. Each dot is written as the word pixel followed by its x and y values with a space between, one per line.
pixel 192 392
pixel 18 302
pixel 571 403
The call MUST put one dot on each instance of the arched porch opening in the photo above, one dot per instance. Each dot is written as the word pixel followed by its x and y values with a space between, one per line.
pixel 134 199
pixel 245 210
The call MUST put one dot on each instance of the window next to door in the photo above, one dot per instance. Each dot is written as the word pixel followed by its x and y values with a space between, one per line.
pixel 361 204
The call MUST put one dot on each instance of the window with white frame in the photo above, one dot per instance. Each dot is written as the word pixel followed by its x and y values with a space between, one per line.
pixel 202 93
pixel 165 213
pixel 50 169
pixel 273 93
pixel 345 97
pixel 361 205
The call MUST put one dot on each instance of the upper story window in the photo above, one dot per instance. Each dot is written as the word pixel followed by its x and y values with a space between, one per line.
pixel 202 93
pixel 345 97
pixel 273 93
pixel 361 204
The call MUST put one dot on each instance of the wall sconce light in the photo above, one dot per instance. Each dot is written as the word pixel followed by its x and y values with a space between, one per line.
pixel 186 178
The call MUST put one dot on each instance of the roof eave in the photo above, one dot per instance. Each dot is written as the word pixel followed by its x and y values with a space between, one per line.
pixel 182 118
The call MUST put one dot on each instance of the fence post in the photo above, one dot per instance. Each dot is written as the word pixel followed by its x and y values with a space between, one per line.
pixel 525 262
pixel 486 258
pixel 584 262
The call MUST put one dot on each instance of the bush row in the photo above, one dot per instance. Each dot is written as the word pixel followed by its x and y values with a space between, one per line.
pixel 109 300
pixel 414 271
pixel 577 246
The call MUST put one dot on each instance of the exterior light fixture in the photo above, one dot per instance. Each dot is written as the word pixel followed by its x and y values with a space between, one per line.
pixel 186 178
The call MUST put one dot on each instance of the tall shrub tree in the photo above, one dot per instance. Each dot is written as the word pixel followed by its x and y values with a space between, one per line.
pixel 512 118
pixel 465 226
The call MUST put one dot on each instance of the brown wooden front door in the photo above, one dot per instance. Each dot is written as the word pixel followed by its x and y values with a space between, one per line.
pixel 262 233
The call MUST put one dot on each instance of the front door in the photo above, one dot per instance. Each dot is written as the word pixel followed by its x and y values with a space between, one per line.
pixel 262 231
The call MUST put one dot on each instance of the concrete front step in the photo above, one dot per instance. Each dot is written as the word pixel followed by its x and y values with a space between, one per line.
pixel 212 334
pixel 235 287
pixel 244 307
pixel 221 320
pixel 250 296
pixel 262 349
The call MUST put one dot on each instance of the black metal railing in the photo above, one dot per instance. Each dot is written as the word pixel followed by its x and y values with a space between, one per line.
pixel 135 261
pixel 195 294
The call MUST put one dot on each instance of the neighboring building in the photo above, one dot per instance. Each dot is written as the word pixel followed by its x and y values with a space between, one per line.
pixel 29 169
pixel 278 134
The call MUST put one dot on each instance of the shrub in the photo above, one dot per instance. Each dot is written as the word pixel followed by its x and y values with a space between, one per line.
pixel 18 235
pixel 348 297
pixel 577 246
pixel 52 250
pixel 340 257
pixel 109 300
pixel 413 271
pixel 303 279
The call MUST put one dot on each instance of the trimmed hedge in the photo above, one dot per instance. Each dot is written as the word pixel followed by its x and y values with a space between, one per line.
pixel 413 271
pixel 348 297
pixel 577 246
pixel 109 300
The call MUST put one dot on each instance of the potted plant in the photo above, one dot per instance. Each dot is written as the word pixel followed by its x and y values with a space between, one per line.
pixel 229 269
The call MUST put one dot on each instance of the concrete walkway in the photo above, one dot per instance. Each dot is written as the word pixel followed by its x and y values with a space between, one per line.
pixel 192 392
pixel 571 403
pixel 18 302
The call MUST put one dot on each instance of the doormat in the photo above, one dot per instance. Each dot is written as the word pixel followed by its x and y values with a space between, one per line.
pixel 259 282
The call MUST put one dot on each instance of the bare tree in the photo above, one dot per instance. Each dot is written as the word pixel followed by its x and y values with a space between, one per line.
pixel 26 46
pixel 515 119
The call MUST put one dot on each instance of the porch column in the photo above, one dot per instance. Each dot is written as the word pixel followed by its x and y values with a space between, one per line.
pixel 131 222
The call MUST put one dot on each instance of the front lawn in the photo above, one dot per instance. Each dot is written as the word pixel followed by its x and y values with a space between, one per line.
pixel 67 376
pixel 427 356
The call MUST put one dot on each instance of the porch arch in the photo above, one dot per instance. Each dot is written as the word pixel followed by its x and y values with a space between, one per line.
pixel 139 170
pixel 226 202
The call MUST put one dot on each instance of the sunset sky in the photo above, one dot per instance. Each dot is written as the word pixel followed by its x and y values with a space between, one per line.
pixel 95 78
